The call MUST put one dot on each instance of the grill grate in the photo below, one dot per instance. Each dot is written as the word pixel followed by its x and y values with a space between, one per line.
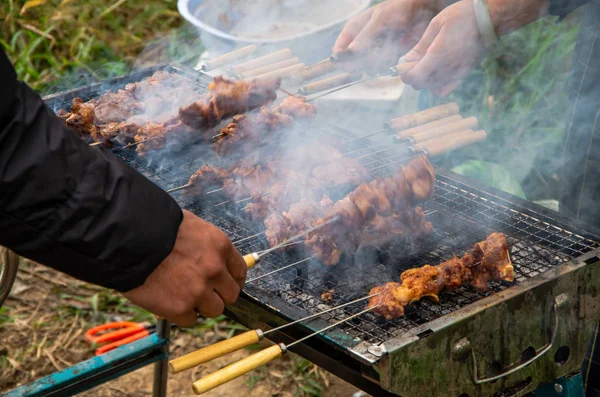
pixel 460 218
pixel 459 214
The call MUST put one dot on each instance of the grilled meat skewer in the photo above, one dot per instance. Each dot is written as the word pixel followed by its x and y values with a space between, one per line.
pixel 373 213
pixel 226 99
pixel 487 260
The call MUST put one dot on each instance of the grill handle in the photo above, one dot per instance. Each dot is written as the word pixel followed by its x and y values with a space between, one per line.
pixel 559 302
pixel 216 350
pixel 325 84
pixel 238 369
pixel 230 57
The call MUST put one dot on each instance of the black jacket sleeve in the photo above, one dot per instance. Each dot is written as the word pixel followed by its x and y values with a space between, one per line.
pixel 72 207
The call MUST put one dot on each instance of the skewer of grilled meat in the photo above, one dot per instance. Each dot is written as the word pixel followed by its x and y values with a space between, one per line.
pixel 287 177
pixel 487 260
pixel 244 134
pixel 226 99
pixel 372 214
pixel 339 174
pixel 114 113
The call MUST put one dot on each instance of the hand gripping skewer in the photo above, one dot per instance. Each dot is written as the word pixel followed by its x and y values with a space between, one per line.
pixel 259 359
pixel 238 342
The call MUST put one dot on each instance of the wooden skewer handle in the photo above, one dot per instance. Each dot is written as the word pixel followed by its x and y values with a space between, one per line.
pixel 318 69
pixel 269 68
pixel 448 143
pixel 281 73
pixel 444 130
pixel 325 84
pixel 217 350
pixel 230 57
pixel 262 61
pixel 238 369
pixel 251 259
pixel 422 117
pixel 428 126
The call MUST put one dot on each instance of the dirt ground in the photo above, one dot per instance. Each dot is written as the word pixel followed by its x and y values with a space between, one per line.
pixel 43 322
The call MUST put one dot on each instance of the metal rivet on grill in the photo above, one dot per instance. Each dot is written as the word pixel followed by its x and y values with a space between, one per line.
pixel 461 348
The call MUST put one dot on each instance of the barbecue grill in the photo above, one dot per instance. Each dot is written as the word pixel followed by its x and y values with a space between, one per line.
pixel 507 341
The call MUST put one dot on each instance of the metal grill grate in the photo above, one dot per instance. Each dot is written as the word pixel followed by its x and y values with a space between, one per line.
pixel 459 214
pixel 460 218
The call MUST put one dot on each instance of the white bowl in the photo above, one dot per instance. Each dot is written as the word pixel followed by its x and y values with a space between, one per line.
pixel 320 21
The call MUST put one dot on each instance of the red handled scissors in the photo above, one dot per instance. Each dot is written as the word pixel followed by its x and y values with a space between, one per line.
pixel 123 332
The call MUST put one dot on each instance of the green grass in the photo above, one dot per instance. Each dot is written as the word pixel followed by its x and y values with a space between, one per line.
pixel 62 42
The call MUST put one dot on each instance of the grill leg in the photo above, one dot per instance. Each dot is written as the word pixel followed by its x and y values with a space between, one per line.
pixel 159 387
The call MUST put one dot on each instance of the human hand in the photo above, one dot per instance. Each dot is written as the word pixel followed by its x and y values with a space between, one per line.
pixel 449 49
pixel 204 271
pixel 391 28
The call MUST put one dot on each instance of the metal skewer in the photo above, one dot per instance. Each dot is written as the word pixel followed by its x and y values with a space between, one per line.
pixel 280 269
pixel 248 238
pixel 137 143
pixel 345 86
pixel 240 201
pixel 246 339
pixel 175 189
pixel 259 359
pixel 393 71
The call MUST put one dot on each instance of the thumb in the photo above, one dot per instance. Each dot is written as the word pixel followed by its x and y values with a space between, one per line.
pixel 420 49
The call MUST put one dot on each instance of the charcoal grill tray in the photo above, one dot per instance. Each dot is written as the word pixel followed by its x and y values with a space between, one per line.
pixel 462 213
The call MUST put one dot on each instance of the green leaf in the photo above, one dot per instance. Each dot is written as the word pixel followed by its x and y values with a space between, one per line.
pixel 490 174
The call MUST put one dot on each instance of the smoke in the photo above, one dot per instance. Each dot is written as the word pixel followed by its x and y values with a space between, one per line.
pixel 517 93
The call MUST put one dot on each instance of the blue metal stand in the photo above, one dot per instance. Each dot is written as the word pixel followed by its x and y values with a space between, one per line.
pixel 564 387
pixel 98 370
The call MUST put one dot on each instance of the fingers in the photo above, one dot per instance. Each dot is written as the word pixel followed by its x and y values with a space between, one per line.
pixel 227 288
pixel 183 320
pixel 210 304
pixel 237 267
pixel 428 60
pixel 364 39
pixel 352 28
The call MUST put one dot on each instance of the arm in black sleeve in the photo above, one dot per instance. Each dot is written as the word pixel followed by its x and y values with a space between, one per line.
pixel 75 208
